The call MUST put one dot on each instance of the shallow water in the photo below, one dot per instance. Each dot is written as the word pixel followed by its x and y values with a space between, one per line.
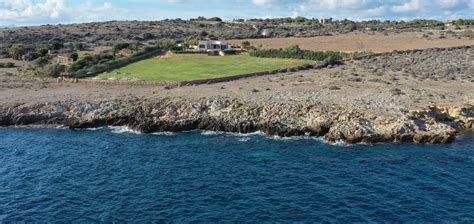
pixel 49 175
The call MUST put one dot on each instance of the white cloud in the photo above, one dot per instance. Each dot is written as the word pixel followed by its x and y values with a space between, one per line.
pixel 32 12
pixel 412 5
pixel 28 12
pixel 24 9
pixel 262 3
pixel 382 9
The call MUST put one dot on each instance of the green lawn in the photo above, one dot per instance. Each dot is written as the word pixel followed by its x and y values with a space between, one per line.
pixel 183 67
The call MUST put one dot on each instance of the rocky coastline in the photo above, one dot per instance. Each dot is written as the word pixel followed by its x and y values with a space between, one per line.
pixel 434 125
pixel 418 96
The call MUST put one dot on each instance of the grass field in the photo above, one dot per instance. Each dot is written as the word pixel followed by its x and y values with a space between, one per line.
pixel 183 67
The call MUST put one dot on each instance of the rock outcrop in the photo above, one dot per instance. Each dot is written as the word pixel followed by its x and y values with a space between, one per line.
pixel 433 125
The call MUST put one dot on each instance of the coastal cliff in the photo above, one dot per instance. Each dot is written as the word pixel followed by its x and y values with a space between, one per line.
pixel 432 125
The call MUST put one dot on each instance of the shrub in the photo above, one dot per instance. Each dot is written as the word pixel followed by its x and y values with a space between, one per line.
pixel 10 65
pixel 119 46
pixel 2 65
pixel 80 64
pixel 296 53
pixel 147 36
pixel 74 56
pixel 78 46
pixel 230 52
pixel 247 45
pixel 190 52
pixel 42 61
pixel 54 70
pixel 415 114
pixel 16 51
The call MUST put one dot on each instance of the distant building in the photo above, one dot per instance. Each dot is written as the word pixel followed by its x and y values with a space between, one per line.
pixel 213 45
pixel 266 33
pixel 451 23
pixel 325 21
pixel 63 60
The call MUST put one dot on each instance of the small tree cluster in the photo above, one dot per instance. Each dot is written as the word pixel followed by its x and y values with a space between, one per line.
pixel 90 60
pixel 16 51
pixel 295 52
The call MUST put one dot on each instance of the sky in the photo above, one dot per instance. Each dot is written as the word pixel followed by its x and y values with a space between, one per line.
pixel 37 12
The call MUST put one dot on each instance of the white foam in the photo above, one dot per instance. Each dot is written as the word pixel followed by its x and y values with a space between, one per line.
pixel 295 138
pixel 92 129
pixel 165 133
pixel 231 133
pixel 123 129
pixel 339 143
pixel 211 133
pixel 245 139
pixel 244 134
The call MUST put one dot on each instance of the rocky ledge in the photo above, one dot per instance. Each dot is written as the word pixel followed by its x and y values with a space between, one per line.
pixel 434 125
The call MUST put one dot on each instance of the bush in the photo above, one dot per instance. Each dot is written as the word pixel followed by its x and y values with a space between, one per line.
pixel 42 61
pixel 147 36
pixel 74 56
pixel 190 52
pixel 230 52
pixel 54 70
pixel 295 52
pixel 119 46
pixel 98 63
pixel 2 65
pixel 10 65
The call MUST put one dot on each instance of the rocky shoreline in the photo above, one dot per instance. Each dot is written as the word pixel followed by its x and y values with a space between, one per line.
pixel 419 96
pixel 435 125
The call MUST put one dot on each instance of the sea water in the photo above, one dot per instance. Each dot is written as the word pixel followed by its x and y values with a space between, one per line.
pixel 114 175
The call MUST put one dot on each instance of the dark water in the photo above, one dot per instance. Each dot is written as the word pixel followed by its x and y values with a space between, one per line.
pixel 49 175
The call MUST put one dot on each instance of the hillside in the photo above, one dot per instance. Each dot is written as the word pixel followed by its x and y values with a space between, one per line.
pixel 109 33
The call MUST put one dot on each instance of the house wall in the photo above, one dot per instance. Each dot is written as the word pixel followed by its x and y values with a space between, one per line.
pixel 213 45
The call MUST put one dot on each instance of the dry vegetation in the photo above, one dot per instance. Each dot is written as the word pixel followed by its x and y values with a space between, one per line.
pixel 374 42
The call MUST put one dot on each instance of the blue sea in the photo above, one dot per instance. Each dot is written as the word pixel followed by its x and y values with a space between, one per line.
pixel 115 175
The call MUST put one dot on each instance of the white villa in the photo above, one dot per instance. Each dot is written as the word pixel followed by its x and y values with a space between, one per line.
pixel 213 45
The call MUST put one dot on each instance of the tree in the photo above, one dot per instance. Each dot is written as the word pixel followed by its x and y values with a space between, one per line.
pixel 351 26
pixel 54 70
pixel 74 56
pixel 216 19
pixel 300 19
pixel 246 45
pixel 167 44
pixel 56 46
pixel 118 47
pixel 147 36
pixel 134 47
pixel 78 46
pixel 42 61
pixel 190 40
pixel 42 52
pixel 203 34
pixel 16 51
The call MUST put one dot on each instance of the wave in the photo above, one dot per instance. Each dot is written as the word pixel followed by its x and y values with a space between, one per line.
pixel 92 129
pixel 237 134
pixel 122 129
pixel 339 143
pixel 244 139
pixel 165 133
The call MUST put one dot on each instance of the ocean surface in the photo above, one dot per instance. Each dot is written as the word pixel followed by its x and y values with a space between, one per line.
pixel 114 175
